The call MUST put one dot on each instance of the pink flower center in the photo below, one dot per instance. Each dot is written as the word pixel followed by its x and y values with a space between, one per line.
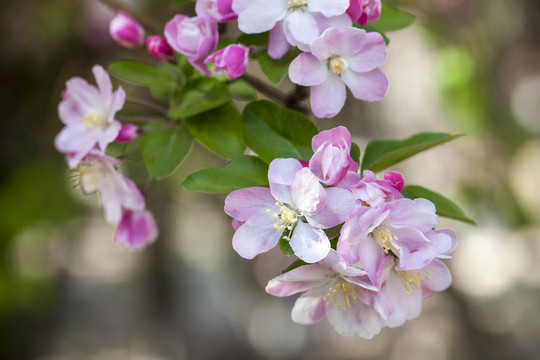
pixel 342 295
pixel 337 65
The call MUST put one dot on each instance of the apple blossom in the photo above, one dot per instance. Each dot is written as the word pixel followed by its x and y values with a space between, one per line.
pixel 136 230
pixel 231 60
pixel 217 10
pixel 296 204
pixel 89 116
pixel 194 37
pixel 364 11
pixel 158 47
pixel 348 57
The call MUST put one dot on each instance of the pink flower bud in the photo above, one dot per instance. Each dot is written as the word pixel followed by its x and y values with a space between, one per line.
pixel 364 11
pixel 195 37
pixel 128 132
pixel 218 10
pixel 136 230
pixel 158 47
pixel 395 179
pixel 231 60
pixel 126 31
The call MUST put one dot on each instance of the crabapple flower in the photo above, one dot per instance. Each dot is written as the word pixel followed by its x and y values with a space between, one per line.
pixel 340 58
pixel 364 11
pixel 128 132
pixel 136 230
pixel 89 116
pixel 194 37
pixel 217 10
pixel 332 160
pixel 126 31
pixel 334 289
pixel 402 227
pixel 97 174
pixel 297 22
pixel 158 47
pixel 401 291
pixel 295 204
pixel 231 60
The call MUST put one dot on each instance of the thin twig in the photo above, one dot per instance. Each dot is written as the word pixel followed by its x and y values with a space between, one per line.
pixel 148 104
pixel 271 92
pixel 140 118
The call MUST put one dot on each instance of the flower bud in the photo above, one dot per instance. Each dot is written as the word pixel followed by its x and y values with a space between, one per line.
pixel 231 60
pixel 364 11
pixel 395 179
pixel 128 132
pixel 158 47
pixel 126 31
pixel 218 10
pixel 194 37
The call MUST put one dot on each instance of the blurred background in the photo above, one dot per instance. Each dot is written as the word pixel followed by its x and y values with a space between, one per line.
pixel 68 293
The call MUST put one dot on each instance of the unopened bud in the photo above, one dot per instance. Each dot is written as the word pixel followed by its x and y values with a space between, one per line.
pixel 158 47
pixel 128 132
pixel 126 31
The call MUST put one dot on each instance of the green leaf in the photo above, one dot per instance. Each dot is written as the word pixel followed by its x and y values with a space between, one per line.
pixel 445 207
pixel 260 39
pixel 295 264
pixel 381 154
pixel 275 132
pixel 220 130
pixel 276 70
pixel 199 95
pixel 142 74
pixel 163 150
pixel 333 232
pixel 241 90
pixel 246 171
pixel 285 246
pixel 392 19
pixel 355 152
pixel 166 93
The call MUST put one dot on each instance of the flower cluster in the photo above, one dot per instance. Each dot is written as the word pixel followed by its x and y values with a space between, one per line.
pixel 88 113
pixel 336 55
pixel 387 257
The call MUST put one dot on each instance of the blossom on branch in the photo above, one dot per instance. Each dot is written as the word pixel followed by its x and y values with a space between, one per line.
pixel 126 31
pixel 232 60
pixel 340 58
pixel 88 114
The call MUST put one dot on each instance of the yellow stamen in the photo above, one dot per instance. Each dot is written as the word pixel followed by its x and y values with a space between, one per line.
pixel 296 4
pixel 337 65
pixel 342 295
pixel 93 119
pixel 384 238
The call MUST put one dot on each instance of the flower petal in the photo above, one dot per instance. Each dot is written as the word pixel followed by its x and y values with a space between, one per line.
pixel 277 42
pixel 301 279
pixel 367 86
pixel 281 173
pixel 328 98
pixel 308 243
pixel 255 236
pixel 244 203
pixel 307 70
pixel 339 205
pixel 261 16
pixel 309 308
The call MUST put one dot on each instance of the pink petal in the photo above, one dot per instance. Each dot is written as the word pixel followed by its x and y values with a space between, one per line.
pixel 310 307
pixel 281 173
pixel 367 86
pixel 308 195
pixel 277 42
pixel 136 230
pixel 328 99
pixel 243 203
pixel 339 205
pixel 261 16
pixel 328 8
pixel 307 70
pixel 301 25
pixel 437 277
pixel 363 51
pixel 256 236
pixel 301 279
pixel 308 243
pixel 104 83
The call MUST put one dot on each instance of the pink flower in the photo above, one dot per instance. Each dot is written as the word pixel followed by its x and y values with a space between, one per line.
pixel 232 60
pixel 364 11
pixel 296 204
pixel 88 113
pixel 332 159
pixel 401 291
pixel 116 192
pixel 348 57
pixel 195 37
pixel 136 230
pixel 158 47
pixel 402 228
pixel 334 289
pixel 297 22
pixel 128 132
pixel 126 31
pixel 217 10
